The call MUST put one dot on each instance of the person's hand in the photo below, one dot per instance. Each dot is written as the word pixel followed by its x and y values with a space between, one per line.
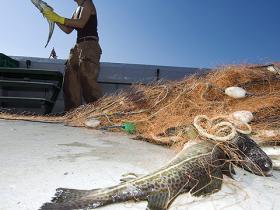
pixel 52 16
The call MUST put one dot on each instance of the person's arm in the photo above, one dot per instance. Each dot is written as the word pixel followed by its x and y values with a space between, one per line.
pixel 73 22
pixel 66 29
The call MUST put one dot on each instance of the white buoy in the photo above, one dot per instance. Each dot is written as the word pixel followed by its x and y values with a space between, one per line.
pixel 235 92
pixel 92 123
pixel 273 69
pixel 243 116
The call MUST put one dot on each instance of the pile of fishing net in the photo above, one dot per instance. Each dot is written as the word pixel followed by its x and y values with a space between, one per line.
pixel 162 112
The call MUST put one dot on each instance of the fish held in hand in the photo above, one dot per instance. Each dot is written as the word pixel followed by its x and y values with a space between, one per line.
pixel 42 6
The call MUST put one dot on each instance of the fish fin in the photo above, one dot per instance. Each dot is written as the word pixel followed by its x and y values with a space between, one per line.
pixel 70 205
pixel 51 29
pixel 129 176
pixel 66 199
pixel 52 206
pixel 214 185
pixel 232 170
pixel 228 170
pixel 158 201
pixel 65 194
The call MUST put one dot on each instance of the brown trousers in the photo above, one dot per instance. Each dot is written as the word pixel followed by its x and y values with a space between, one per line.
pixel 81 72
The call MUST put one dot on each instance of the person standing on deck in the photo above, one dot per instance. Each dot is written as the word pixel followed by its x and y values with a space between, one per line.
pixel 82 67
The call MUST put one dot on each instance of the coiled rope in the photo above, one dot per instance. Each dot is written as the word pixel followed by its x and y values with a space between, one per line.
pixel 221 128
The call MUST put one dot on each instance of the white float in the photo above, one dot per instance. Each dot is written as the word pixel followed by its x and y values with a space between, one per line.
pixel 243 116
pixel 92 123
pixel 235 92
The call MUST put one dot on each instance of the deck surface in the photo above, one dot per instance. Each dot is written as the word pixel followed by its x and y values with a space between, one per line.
pixel 37 158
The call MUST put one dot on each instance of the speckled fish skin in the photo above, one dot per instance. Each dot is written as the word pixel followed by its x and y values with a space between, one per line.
pixel 41 5
pixel 253 158
pixel 197 169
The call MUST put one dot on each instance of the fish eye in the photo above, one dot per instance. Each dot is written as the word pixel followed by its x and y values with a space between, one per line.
pixel 267 165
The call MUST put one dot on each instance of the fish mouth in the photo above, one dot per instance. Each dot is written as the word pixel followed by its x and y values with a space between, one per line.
pixel 269 173
pixel 269 168
pixel 260 167
pixel 260 172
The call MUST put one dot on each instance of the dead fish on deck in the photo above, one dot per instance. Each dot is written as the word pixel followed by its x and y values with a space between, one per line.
pixel 197 169
pixel 41 5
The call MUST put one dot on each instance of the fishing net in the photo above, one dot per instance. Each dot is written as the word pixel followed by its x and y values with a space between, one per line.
pixel 163 112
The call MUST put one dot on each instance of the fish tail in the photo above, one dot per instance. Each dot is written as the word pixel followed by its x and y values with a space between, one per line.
pixel 67 199
pixel 53 206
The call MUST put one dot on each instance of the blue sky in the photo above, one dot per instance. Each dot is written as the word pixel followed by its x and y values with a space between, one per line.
pixel 189 33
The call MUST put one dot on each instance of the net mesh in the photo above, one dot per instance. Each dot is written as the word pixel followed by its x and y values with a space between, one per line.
pixel 162 111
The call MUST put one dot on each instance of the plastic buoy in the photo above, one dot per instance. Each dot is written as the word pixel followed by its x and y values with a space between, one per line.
pixel 92 123
pixel 236 92
pixel 243 116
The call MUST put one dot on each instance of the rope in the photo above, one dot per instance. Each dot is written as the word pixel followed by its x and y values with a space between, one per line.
pixel 227 126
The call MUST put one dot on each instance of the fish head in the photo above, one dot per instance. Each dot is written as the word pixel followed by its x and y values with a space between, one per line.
pixel 250 156
pixel 41 5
